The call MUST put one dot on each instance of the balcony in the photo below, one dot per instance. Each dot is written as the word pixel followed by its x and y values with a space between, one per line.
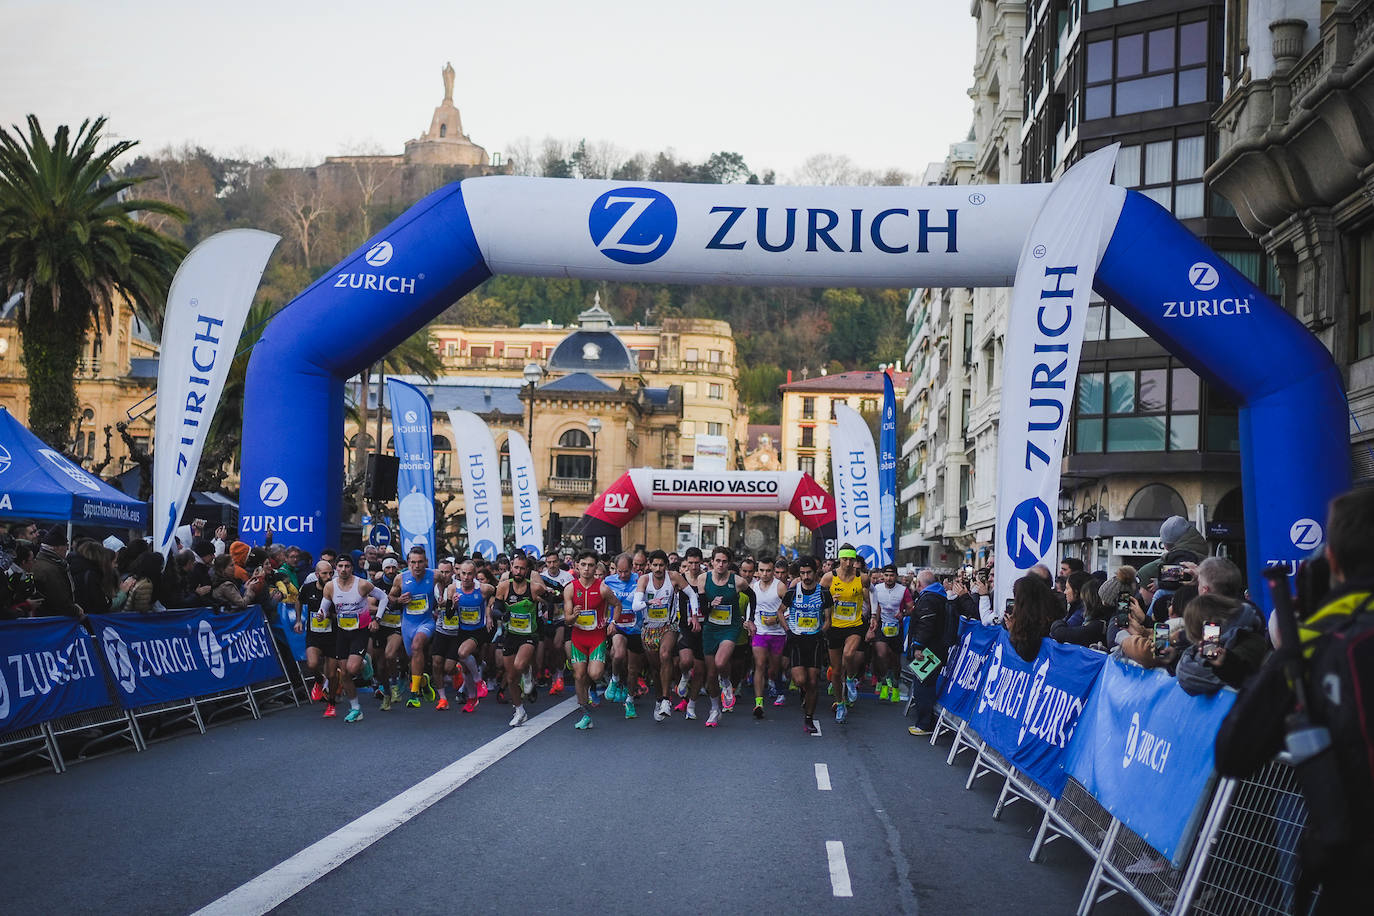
pixel 568 486
pixel 453 483
pixel 490 363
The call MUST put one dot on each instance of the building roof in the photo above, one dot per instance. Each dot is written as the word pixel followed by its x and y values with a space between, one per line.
pixel 479 395
pixel 757 430
pixel 861 380
pixel 578 381
pixel 143 367
pixel 657 396
pixel 592 351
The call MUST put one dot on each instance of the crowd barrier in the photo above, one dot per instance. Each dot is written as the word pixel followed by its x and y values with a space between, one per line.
pixel 134 677
pixel 1133 784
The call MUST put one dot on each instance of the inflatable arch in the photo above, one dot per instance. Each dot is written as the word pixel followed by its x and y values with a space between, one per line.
pixel 730 491
pixel 1293 423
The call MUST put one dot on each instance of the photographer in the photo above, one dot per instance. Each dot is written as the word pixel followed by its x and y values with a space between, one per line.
pixel 1335 656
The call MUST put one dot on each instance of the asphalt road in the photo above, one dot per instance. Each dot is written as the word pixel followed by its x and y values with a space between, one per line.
pixel 631 816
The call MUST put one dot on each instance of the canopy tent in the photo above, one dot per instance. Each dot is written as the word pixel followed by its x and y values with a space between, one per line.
pixel 38 482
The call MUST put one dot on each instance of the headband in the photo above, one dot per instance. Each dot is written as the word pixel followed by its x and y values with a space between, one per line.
pixel 849 554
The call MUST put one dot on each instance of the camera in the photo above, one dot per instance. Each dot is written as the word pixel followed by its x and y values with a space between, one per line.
pixel 1011 602
pixel 1123 609
pixel 1161 638
pixel 1211 641
pixel 1171 577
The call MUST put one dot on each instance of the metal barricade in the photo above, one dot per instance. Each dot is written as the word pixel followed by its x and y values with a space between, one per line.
pixel 44 746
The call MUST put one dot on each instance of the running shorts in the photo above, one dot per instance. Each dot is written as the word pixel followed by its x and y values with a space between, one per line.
pixel 349 642
pixel 807 651
pixel 712 636
pixel 513 641
pixel 412 624
pixel 445 645
pixel 323 641
pixel 775 644
pixel 652 639
pixel 587 646
pixel 839 635
pixel 634 642
pixel 384 633
pixel 691 639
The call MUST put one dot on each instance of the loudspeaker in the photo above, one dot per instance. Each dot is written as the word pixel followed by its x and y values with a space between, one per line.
pixel 381 476
pixel 555 532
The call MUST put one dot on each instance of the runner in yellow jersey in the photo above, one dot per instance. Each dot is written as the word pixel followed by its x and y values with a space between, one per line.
pixel 848 588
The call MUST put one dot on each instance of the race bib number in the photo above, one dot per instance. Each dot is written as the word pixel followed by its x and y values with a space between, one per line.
pixel 470 616
pixel 770 620
pixel 845 613
pixel 521 623
pixel 891 629
pixel 808 623
pixel 391 618
pixel 417 605
pixel 625 618
pixel 657 613
pixel 722 615
pixel 586 621
pixel 451 620
pixel 348 623
pixel 319 626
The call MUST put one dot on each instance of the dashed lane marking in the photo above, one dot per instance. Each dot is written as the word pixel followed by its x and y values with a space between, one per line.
pixel 839 870
pixel 822 777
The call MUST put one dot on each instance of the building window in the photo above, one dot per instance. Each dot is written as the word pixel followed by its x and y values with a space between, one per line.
pixel 480 352
pixel 968 341
pixel 578 467
pixel 1168 171
pixel 516 352
pixel 990 366
pixel 689 428
pixel 714 429
pixel 504 459
pixel 808 408
pixel 715 356
pixel 964 412
pixel 1146 71
pixel 808 437
pixel 1361 294
pixel 807 464
pixel 574 438
pixel 834 402
pixel 868 405
pixel 443 455
pixel 689 389
pixel 691 355
pixel 1156 501
pixel 717 391
pixel 1137 410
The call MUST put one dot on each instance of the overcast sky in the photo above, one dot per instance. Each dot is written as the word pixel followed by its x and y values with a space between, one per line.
pixel 881 81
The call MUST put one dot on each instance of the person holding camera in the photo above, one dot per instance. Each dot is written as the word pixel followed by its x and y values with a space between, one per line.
pixel 1330 665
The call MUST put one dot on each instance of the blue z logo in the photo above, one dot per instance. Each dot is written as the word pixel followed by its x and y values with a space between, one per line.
pixel 1030 531
pixel 633 225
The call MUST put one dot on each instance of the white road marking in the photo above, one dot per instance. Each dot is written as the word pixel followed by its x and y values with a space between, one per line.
pixel 822 777
pixel 815 729
pixel 281 882
pixel 839 871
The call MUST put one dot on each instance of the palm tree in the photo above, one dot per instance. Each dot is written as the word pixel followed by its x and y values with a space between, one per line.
pixel 413 356
pixel 71 243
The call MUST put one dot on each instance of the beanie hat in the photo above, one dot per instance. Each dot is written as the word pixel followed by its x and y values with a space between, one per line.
pixel 202 548
pixel 56 536
pixel 239 551
pixel 1173 529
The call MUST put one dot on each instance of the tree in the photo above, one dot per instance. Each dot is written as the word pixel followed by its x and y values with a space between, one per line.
pixel 725 168
pixel 70 242
pixel 301 203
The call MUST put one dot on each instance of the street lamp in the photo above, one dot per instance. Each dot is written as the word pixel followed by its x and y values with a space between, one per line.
pixel 532 376
pixel 595 426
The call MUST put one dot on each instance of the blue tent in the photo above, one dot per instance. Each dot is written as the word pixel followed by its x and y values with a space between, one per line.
pixel 37 482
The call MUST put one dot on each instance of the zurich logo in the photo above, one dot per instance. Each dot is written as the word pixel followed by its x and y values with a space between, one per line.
pixel 1305 533
pixel 1030 531
pixel 71 470
pixel 210 648
pixel 633 225
pixel 121 664
pixel 485 548
pixel 273 492
pixel 869 555
pixel 379 255
pixel 1203 276
pixel 412 417
pixel 4 460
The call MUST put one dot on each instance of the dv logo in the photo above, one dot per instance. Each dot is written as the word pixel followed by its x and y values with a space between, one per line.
pixel 1203 276
pixel 117 654
pixel 272 492
pixel 617 502
pixel 1305 534
pixel 379 255
pixel 633 225
pixel 812 505
pixel 1030 531
pixel 210 649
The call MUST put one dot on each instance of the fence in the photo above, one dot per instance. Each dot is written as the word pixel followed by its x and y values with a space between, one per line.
pixel 1242 859
pixel 84 734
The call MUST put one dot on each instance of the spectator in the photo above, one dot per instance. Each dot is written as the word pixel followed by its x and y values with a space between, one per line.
pixel 1034 609
pixel 144 583
pixel 125 556
pixel 17 590
pixel 1070 565
pixel 224 591
pixel 1181 542
pixel 1085 624
pixel 93 576
pixel 52 576
pixel 1074 588
pixel 1242 644
pixel 927 632
pixel 963 602
pixel 239 551
pixel 199 573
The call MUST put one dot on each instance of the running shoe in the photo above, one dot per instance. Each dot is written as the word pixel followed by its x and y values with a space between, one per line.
pixel 851 687
pixel 662 710
pixel 520 717
pixel 894 693
pixel 681 705
pixel 918 731
pixel 395 693
pixel 527 683
pixel 730 708
pixel 758 708
pixel 690 711
pixel 882 690
pixel 386 701
pixel 630 712
pixel 442 704
pixel 481 689
pixel 682 686
pixel 316 693
pixel 426 688
pixel 613 691
pixel 780 700
pixel 471 705
pixel 830 688
pixel 841 713
pixel 713 719
pixel 329 711
pixel 557 689
pixel 413 702
pixel 584 723
pixel 593 696
pixel 532 694
pixel 727 693
pixel 772 690
pixel 354 715
pixel 809 726
pixel 641 687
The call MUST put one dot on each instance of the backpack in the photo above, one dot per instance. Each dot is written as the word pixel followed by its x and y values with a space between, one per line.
pixel 1340 674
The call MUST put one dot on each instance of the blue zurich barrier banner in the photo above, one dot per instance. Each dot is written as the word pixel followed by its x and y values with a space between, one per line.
pixel 1145 753
pixel 1027 711
pixel 965 675
pixel 47 669
pixel 179 654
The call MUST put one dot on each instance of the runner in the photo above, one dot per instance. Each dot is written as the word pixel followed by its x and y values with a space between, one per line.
pixel 691 658
pixel 627 646
pixel 720 591
pixel 388 648
pixel 586 603
pixel 849 591
pixel 413 593
pixel 469 621
pixel 741 662
pixel 515 601
pixel 654 599
pixel 550 656
pixel 770 636
pixel 893 602
pixel 345 598
pixel 319 638
pixel 808 616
